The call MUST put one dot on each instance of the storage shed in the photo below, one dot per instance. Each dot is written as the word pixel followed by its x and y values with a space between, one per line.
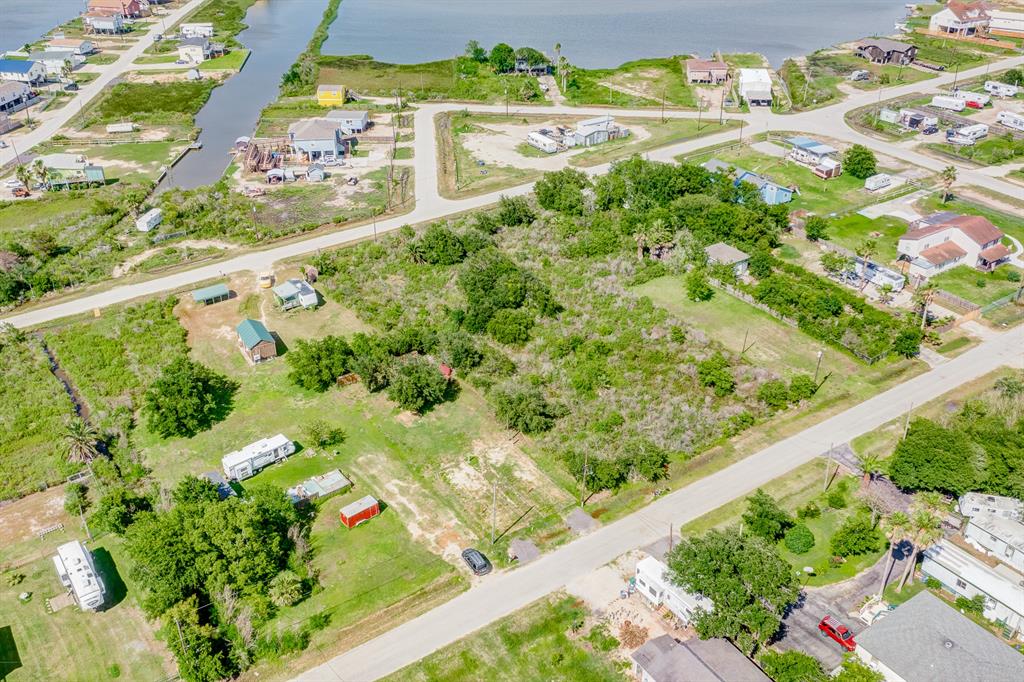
pixel 319 487
pixel 359 511
pixel 244 463
pixel 150 219
pixel 211 294
pixel 255 342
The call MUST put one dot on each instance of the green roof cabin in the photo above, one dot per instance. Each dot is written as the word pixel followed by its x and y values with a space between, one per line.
pixel 211 294
pixel 255 341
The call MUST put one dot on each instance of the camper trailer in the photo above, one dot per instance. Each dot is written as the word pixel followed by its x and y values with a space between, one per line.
pixel 77 572
pixel 975 100
pixel 877 182
pixel 997 89
pixel 967 135
pixel 1011 119
pixel 246 462
pixel 542 142
pixel 948 102
pixel 148 220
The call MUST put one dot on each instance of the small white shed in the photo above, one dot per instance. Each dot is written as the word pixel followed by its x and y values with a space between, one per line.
pixel 148 220
pixel 121 128
pixel 652 582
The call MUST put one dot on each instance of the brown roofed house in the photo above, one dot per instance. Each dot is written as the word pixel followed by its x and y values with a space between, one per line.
pixel 705 71
pixel 944 240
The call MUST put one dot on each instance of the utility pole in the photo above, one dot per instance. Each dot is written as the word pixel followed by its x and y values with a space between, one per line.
pixel 721 108
pixel 670 538
pixel 700 110
pixel 828 467
pixel 494 503
pixel 506 101
pixel 742 122
pixel 818 366
pixel 583 482
pixel 374 227
pixel 81 515
pixel 906 422
pixel 663 90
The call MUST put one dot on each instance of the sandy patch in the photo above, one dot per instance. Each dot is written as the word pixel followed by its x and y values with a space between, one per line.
pixel 125 267
pixel 406 418
pixel 497 452
pixel 467 478
pixel 22 519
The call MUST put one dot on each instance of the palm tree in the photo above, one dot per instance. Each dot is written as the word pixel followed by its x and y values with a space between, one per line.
pixel 947 177
pixel 885 294
pixel 923 296
pixel 39 171
pixel 81 440
pixel 926 528
pixel 871 465
pixel 896 527
pixel 867 249
pixel 65 69
pixel 24 175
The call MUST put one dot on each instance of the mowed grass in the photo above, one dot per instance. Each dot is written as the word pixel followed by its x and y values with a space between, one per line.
pixel 232 61
pixel 1010 223
pixel 645 82
pixel 532 644
pixel 978 287
pixel 851 230
pixel 661 134
pixel 793 490
pixel 822 197
pixel 71 644
pixel 19 217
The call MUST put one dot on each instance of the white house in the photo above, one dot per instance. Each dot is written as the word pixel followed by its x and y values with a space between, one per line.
pixel 77 46
pixel 999 537
pixel 597 130
pixel 960 18
pixel 820 157
pixel 148 220
pixel 350 122
pixel 194 50
pixel 944 240
pixel 244 463
pixel 967 576
pixel 23 71
pixel 13 95
pixel 652 582
pixel 201 30
pixel 1003 23
pixel 320 139
pixel 56 61
pixel 971 504
pixel 756 87
pixel 721 253
pixel 77 572
pixel 927 640
pixel 542 142
pixel 99 22
pixel 294 293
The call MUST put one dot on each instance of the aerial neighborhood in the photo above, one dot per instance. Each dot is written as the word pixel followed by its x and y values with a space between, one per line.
pixel 652 345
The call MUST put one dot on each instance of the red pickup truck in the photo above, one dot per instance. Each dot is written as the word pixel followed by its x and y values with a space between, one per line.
pixel 830 627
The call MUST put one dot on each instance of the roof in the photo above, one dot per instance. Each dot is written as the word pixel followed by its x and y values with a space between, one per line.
pixel 755 76
pixel 63 161
pixel 719 166
pixel 16 65
pixel 294 287
pixel 942 253
pixel 12 87
pixel 109 4
pixel 725 254
pixel 360 505
pixel 709 660
pixel 759 181
pixel 68 42
pixel 346 115
pixel 1009 531
pixel 253 333
pixel 758 94
pixel 313 129
pixel 885 44
pixel 994 253
pixel 596 123
pixel 980 230
pixel 1004 586
pixel 332 481
pixel 198 42
pixel 705 65
pixel 812 146
pixel 50 54
pixel 253 449
pixel 210 292
pixel 77 563
pixel 972 503
pixel 967 10
pixel 329 88
pixel 926 639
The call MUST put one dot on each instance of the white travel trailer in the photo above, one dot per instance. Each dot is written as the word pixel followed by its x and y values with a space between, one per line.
pixel 1011 119
pixel 877 182
pixel 542 142
pixel 948 102
pixel 1001 89
pixel 246 462
pixel 967 135
pixel 975 100
pixel 78 573
pixel 148 220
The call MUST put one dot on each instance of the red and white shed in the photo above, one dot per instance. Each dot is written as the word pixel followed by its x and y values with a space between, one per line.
pixel 361 510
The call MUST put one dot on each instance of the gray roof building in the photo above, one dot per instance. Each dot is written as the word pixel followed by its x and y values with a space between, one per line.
pixel 663 659
pixel 926 640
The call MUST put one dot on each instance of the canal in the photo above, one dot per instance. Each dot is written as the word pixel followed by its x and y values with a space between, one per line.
pixel 278 32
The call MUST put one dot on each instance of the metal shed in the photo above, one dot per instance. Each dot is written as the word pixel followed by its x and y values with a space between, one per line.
pixel 211 294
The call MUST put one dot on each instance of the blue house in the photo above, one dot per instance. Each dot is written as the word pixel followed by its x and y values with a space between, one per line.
pixel 22 70
pixel 771 193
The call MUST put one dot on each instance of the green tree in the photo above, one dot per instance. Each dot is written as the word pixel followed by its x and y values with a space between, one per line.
pixel 923 296
pixel 816 228
pixel 187 398
pixel 562 191
pixel 697 286
pixel 896 527
pixel 933 457
pixel 523 409
pixel 854 537
pixel 316 365
pixel 866 250
pixel 835 263
pixel 417 385
pixel 761 263
pixel 774 393
pixel 749 583
pixel 321 434
pixel 860 162
pixel 799 539
pixel 802 387
pixel 196 645
pixel 118 508
pixel 458 350
pixel 871 466
pixel 515 211
pixel 764 517
pixel 76 498
pixel 503 58
pixel 510 327
pixel 371 361
pixel 947 178
pixel 194 490
pixel 715 372
pixel 438 246
pixel 792 666
pixel 285 589
pixel 853 670
pixel 81 440
pixel 475 52
pixel 908 343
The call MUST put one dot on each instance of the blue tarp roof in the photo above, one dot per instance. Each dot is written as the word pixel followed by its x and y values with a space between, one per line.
pixel 252 333
pixel 15 65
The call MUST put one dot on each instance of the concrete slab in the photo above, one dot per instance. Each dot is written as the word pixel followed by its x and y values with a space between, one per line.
pixel 580 521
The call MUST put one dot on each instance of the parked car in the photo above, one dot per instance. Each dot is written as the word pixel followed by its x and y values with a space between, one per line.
pixel 12 183
pixel 20 192
pixel 476 561
pixel 930 130
pixel 265 280
pixel 830 627
pixel 71 87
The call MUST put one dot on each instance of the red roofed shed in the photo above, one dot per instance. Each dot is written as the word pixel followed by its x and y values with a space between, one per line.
pixel 359 511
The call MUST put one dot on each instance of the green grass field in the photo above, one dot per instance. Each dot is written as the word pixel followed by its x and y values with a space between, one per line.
pixel 981 288
pixel 989 152
pixel 852 229
pixel 644 82
pixel 232 61
pixel 155 102
pixel 661 134
pixel 535 643
pixel 811 86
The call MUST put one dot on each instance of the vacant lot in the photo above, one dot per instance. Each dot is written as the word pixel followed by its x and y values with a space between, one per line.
pixel 851 230
pixel 981 288
pixel 645 82
pixel 536 643
pixel 151 102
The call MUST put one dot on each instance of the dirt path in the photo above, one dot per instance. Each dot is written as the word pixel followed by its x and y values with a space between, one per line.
pixel 125 267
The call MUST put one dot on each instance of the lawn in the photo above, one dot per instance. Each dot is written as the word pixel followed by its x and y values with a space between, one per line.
pixel 793 490
pixel 811 86
pixel 151 102
pixel 71 644
pixel 852 229
pixel 232 61
pixel 157 59
pixel 102 58
pixel 535 643
pixel 130 161
pixel 822 197
pixel 981 288
pixel 842 64
pixel 227 17
pixel 991 151
pixel 644 82
pixel 661 134
pixel 745 60
pixel 952 53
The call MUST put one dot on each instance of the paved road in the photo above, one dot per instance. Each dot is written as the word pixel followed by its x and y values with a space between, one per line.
pixel 502 593
pixel 46 130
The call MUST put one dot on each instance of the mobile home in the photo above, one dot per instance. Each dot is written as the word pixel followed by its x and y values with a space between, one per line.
pixel 148 220
pixel 967 135
pixel 77 572
pixel 1001 89
pixel 542 142
pixel 948 102
pixel 1011 119
pixel 244 463
pixel 652 583
pixel 975 100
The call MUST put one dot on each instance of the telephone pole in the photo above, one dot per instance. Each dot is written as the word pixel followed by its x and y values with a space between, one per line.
pixel 494 503
pixel 583 481
pixel 828 467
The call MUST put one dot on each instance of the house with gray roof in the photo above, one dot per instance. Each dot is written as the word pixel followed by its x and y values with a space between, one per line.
pixel 927 640
pixel 319 139
pixel 663 659
pixel 721 253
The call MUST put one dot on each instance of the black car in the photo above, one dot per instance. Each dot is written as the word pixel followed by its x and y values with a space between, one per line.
pixel 476 561
pixel 930 130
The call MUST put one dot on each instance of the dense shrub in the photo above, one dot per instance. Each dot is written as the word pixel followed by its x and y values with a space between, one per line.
pixel 438 246
pixel 802 387
pixel 764 517
pixel 799 539
pixel 714 372
pixel 697 286
pixel 417 385
pixel 316 365
pixel 562 191
pixel 859 161
pixel 187 398
pixel 510 327
pixel 523 409
pixel 513 211
pixel 774 394
pixel 76 499
pixel 856 536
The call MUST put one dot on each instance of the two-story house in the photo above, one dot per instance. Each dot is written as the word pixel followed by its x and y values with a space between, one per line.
pixel 945 240
pixel 886 51
pixel 960 18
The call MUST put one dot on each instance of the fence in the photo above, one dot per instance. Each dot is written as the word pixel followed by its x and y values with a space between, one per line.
pixel 945 298
pixel 988 42
pixel 999 303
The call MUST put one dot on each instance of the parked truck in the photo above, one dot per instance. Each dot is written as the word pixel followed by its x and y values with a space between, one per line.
pixel 1011 119
pixel 998 89
pixel 948 102
pixel 975 100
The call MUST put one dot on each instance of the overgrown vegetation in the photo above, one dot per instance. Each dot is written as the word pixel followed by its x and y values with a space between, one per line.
pixel 153 103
